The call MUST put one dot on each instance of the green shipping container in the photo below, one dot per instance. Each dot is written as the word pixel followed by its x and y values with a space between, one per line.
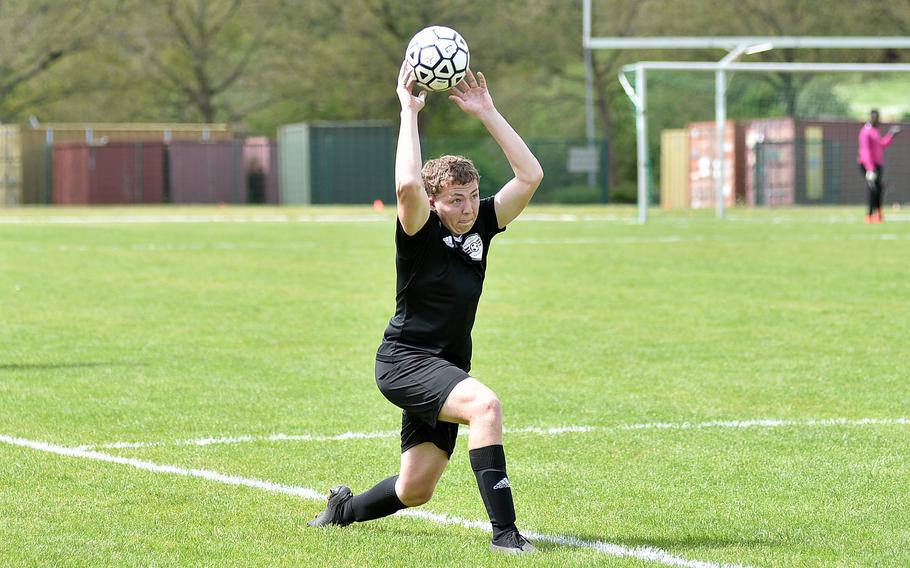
pixel 337 162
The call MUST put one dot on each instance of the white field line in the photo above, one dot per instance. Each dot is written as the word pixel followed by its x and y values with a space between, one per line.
pixel 313 438
pixel 555 431
pixel 108 219
pixel 696 239
pixel 177 218
pixel 645 553
pixel 169 247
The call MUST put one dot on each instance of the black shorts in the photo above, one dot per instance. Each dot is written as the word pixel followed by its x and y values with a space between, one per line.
pixel 419 383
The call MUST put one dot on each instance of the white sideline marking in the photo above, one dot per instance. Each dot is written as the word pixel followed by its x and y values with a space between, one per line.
pixel 128 219
pixel 640 552
pixel 753 423
pixel 157 468
pixel 314 437
pixel 765 423
pixel 696 239
pixel 168 247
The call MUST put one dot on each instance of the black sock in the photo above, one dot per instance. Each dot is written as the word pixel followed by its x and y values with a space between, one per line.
pixel 379 501
pixel 489 465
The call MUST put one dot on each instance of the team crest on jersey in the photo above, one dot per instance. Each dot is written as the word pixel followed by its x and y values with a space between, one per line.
pixel 473 246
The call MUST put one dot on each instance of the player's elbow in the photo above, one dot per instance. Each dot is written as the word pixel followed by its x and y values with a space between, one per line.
pixel 537 176
pixel 533 177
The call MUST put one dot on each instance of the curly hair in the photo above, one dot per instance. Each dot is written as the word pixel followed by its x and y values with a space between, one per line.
pixel 444 170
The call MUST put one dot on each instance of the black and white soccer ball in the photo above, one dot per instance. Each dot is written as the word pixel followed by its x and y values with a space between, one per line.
pixel 439 57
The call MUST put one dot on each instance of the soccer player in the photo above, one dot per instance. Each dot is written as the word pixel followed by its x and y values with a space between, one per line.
pixel 442 239
pixel 871 158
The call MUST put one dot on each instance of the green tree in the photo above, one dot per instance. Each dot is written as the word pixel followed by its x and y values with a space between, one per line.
pixel 203 59
pixel 40 38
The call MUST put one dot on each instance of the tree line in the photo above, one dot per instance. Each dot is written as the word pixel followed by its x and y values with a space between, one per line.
pixel 260 64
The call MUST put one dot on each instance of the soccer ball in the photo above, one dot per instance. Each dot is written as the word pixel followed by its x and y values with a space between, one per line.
pixel 439 57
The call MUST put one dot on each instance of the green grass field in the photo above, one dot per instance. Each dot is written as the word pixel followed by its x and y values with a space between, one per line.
pixel 656 343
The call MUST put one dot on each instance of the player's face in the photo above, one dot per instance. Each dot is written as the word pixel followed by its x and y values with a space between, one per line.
pixel 457 207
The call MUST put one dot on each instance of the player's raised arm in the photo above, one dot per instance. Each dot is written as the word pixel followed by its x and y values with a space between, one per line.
pixel 473 97
pixel 413 204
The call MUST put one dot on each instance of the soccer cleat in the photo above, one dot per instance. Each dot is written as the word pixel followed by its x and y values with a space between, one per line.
pixel 512 543
pixel 338 496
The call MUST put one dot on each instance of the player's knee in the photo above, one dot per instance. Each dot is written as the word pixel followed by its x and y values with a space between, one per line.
pixel 488 409
pixel 415 494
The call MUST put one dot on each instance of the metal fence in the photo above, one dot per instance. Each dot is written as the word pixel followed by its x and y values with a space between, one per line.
pixel 574 171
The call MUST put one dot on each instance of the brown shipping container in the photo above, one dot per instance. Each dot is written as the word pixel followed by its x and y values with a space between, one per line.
pixel 115 173
pixel 260 152
pixel 36 160
pixel 842 177
pixel 206 172
pixel 796 162
pixel 702 156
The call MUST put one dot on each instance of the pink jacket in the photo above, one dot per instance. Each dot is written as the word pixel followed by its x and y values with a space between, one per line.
pixel 872 147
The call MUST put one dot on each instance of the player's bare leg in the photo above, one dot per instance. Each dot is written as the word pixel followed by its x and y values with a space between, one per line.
pixel 421 468
pixel 473 403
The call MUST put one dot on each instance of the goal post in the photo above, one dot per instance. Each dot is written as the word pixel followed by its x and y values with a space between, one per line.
pixel 736 47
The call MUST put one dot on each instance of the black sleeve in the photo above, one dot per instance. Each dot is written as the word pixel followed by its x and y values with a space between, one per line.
pixel 409 245
pixel 488 217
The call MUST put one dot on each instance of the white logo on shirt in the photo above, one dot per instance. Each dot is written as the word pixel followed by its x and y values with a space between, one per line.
pixel 473 246
pixel 451 240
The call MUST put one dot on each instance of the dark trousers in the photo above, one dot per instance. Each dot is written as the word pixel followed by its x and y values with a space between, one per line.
pixel 876 189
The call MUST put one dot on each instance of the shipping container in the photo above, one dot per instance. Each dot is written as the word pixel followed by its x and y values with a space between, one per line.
pixel 206 172
pixel 34 174
pixel 806 162
pixel 674 169
pixel 702 164
pixel 770 162
pixel 328 162
pixel 114 173
pixel 260 159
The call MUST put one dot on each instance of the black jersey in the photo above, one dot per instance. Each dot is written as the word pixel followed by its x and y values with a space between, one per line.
pixel 440 278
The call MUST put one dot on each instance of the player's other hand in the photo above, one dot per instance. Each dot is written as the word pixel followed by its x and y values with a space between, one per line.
pixel 871 176
pixel 472 95
pixel 406 82
pixel 894 130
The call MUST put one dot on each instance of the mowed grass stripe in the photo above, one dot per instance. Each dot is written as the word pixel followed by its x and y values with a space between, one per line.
pixel 173 331
pixel 646 553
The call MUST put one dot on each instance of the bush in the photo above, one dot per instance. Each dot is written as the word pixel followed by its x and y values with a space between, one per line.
pixel 625 192
pixel 569 194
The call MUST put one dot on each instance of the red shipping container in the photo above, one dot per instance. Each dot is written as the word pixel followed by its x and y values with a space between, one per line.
pixel 206 172
pixel 773 180
pixel 116 173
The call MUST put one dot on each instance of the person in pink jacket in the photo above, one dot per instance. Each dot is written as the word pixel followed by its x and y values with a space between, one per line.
pixel 871 158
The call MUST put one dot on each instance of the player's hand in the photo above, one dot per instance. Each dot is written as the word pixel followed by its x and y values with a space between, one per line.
pixel 472 95
pixel 894 130
pixel 871 176
pixel 406 82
